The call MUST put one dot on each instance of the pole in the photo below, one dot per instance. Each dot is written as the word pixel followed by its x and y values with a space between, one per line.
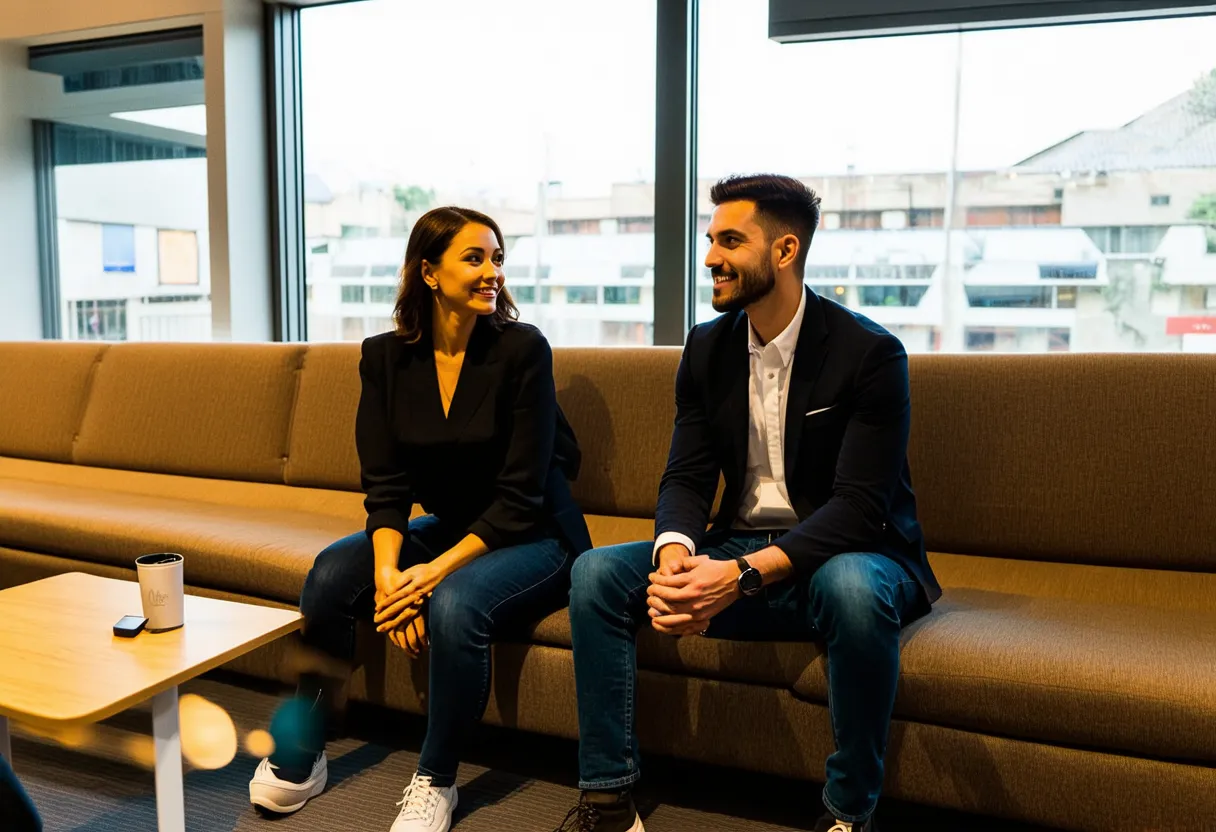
pixel 952 277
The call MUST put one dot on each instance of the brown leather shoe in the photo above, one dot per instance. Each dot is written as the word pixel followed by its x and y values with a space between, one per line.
pixel 603 812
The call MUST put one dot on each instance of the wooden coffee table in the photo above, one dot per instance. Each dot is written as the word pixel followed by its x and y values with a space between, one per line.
pixel 61 664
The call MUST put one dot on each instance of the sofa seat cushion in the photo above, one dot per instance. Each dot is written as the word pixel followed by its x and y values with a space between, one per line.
pixel 1120 678
pixel 346 505
pixel 1164 589
pixel 774 663
pixel 256 550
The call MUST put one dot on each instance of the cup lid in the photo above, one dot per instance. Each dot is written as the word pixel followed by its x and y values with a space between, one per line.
pixel 158 559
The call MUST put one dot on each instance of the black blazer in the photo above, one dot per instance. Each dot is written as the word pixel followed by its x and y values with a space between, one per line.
pixel 498 466
pixel 846 468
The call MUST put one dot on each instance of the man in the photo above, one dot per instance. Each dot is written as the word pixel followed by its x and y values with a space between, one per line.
pixel 803 406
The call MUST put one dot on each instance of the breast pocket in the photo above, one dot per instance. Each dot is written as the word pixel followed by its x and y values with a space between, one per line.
pixel 823 416
pixel 822 434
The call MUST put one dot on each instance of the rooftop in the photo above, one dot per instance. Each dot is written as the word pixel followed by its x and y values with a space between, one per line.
pixel 1168 136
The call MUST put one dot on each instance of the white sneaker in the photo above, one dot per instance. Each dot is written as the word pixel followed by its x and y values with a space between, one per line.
pixel 269 791
pixel 425 808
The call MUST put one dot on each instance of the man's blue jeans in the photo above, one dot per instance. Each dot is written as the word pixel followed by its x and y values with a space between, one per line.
pixel 855 603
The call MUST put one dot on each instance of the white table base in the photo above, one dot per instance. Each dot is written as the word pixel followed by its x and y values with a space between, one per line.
pixel 170 799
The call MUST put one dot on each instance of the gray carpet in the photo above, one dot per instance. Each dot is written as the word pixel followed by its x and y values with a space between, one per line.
pixel 512 782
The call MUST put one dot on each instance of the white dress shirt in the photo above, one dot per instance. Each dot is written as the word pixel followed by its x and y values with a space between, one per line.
pixel 765 503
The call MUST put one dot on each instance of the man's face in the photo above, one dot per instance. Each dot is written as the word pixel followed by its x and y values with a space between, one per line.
pixel 739 258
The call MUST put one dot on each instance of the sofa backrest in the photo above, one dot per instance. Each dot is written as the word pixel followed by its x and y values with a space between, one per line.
pixel 321 452
pixel 211 410
pixel 621 404
pixel 1080 458
pixel 1073 458
pixel 618 401
pixel 44 387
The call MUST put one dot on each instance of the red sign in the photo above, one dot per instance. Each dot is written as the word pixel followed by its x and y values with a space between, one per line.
pixel 1190 325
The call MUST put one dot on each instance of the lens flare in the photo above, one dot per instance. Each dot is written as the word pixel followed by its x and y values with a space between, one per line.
pixel 141 750
pixel 259 743
pixel 208 734
pixel 78 736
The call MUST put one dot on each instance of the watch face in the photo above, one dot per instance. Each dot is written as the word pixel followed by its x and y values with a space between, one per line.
pixel 750 581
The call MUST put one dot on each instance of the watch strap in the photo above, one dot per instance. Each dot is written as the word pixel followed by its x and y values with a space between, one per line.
pixel 744 568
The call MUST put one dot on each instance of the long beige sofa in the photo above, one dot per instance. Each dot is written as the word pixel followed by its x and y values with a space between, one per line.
pixel 1067 677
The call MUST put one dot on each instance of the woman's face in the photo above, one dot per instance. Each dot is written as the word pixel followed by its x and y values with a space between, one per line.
pixel 469 276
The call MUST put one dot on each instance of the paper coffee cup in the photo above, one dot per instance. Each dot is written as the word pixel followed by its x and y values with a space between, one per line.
pixel 161 590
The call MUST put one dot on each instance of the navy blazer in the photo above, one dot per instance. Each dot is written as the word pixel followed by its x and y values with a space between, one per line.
pixel 497 466
pixel 846 440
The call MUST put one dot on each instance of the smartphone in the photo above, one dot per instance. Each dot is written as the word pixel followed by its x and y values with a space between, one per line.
pixel 130 626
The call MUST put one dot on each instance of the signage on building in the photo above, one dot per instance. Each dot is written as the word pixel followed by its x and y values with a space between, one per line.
pixel 1191 325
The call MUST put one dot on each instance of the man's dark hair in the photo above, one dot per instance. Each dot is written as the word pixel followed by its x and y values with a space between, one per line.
pixel 783 206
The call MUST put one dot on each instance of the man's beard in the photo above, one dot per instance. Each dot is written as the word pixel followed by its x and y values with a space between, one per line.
pixel 750 286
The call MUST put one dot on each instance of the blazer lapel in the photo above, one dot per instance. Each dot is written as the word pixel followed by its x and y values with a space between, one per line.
pixel 736 395
pixel 476 375
pixel 809 355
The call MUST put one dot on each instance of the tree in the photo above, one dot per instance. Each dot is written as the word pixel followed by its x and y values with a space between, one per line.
pixel 1203 97
pixel 1204 210
pixel 413 198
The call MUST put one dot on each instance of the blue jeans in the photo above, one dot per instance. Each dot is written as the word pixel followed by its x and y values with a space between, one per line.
pixel 855 603
pixel 498 592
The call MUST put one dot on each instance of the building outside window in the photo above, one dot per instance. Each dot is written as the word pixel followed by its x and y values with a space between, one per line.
pixel 1069 225
pixel 635 225
pixel 622 294
pixel 826 272
pixel 582 294
pixel 892 295
pixel 574 226
pixel 558 184
pixel 382 294
pixel 1069 229
pixel 527 294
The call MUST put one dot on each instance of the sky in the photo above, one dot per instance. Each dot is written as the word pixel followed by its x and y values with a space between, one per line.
pixel 490 98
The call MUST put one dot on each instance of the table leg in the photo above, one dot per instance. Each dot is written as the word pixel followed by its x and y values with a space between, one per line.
pixel 6 747
pixel 170 801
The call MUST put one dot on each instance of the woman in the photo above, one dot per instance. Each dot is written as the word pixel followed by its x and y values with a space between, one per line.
pixel 458 413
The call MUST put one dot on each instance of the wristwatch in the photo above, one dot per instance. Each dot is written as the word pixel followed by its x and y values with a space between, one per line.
pixel 750 579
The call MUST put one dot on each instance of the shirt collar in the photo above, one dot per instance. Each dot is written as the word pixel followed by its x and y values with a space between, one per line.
pixel 786 341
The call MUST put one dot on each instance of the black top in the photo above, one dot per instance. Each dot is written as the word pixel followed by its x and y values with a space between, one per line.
pixel 497 466
pixel 846 468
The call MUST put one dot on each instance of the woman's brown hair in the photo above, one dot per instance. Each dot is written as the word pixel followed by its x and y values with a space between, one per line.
pixel 430 238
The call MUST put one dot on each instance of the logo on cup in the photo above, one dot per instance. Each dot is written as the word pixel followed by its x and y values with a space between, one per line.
pixel 156 598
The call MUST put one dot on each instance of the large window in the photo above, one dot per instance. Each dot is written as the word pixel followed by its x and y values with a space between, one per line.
pixel 1069 205
pixel 509 108
pixel 127 142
